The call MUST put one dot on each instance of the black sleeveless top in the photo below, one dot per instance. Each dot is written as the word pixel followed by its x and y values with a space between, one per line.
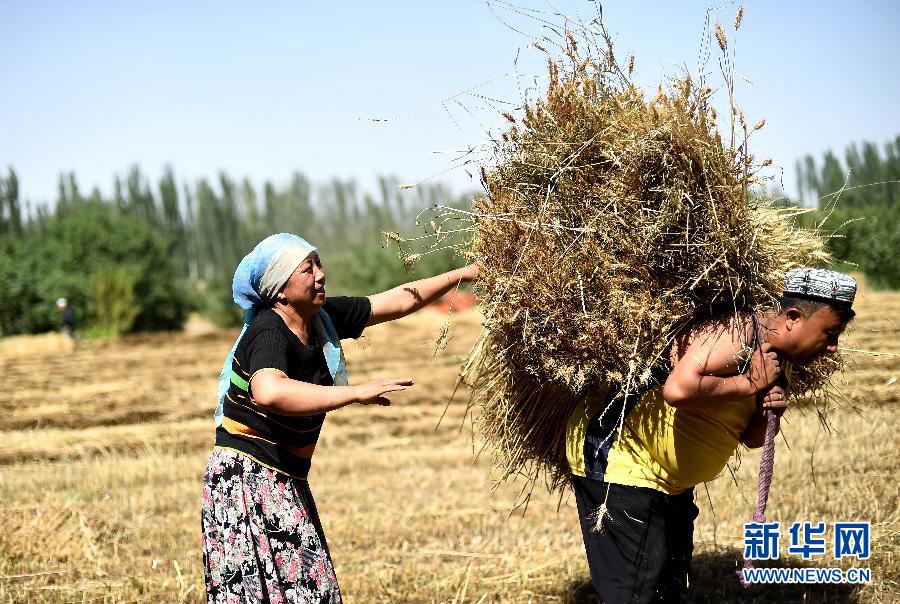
pixel 281 442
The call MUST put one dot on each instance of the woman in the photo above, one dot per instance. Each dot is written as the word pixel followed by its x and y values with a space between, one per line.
pixel 262 539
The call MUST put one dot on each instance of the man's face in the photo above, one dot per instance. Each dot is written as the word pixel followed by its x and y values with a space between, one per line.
pixel 813 336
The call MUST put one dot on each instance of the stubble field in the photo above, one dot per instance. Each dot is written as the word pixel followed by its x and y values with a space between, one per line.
pixel 104 449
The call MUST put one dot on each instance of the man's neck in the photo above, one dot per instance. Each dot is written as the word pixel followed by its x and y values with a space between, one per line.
pixel 771 327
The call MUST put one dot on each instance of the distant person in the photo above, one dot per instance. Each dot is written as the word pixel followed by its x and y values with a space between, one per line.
pixel 706 399
pixel 68 318
pixel 262 539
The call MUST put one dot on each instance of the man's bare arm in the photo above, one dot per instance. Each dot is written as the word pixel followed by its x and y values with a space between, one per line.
pixel 707 371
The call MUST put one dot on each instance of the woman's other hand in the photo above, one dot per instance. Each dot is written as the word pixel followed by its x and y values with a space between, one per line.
pixel 372 392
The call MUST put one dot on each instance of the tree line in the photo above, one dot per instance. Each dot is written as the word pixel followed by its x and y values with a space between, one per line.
pixel 858 204
pixel 144 257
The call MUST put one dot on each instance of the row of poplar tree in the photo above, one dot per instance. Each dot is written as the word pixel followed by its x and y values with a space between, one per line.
pixel 858 201
pixel 145 257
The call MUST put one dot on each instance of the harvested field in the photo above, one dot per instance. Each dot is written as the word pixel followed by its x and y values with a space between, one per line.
pixel 104 449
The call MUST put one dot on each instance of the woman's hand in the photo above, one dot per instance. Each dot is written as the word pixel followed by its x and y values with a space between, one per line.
pixel 776 399
pixel 372 392
pixel 765 367
pixel 470 273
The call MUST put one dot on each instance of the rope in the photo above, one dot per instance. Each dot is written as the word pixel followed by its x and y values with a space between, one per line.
pixel 766 463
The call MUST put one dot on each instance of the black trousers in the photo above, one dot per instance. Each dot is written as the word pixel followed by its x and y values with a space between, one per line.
pixel 642 552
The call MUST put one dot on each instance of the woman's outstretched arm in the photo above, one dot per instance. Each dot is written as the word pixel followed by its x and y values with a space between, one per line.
pixel 410 297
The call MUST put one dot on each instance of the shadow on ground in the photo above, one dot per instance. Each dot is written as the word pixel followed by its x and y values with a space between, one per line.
pixel 714 579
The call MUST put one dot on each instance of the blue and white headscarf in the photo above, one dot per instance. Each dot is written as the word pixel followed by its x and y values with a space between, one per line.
pixel 258 279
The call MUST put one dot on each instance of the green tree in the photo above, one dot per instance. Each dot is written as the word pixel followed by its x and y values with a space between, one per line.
pixel 10 210
pixel 182 249
pixel 859 200
pixel 139 198
pixel 114 307
pixel 59 258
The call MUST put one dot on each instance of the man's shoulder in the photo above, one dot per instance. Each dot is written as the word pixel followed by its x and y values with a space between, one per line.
pixel 734 329
pixel 735 325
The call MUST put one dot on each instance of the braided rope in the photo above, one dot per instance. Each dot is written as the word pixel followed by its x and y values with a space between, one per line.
pixel 766 462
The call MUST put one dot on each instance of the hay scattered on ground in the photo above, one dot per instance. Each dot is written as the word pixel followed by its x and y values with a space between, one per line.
pixel 35 345
pixel 413 492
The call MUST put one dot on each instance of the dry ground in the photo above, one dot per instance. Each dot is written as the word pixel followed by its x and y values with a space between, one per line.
pixel 104 449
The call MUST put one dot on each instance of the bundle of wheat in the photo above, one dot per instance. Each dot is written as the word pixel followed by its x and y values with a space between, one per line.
pixel 611 222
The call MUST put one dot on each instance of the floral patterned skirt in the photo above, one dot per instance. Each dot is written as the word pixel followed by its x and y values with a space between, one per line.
pixel 262 539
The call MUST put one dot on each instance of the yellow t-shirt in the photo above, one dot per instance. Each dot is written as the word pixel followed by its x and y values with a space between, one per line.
pixel 659 447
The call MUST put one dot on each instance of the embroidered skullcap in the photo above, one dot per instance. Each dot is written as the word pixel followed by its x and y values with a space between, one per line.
pixel 821 285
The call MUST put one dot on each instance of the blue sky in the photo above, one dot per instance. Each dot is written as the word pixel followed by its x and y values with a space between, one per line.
pixel 263 89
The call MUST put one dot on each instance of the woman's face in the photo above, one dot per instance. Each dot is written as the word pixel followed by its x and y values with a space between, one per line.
pixel 305 289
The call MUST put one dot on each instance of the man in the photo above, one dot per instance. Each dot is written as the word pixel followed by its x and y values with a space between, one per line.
pixel 634 487
pixel 68 318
